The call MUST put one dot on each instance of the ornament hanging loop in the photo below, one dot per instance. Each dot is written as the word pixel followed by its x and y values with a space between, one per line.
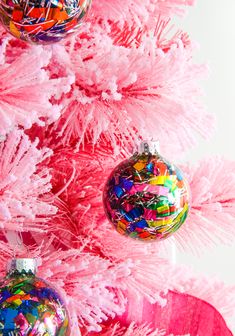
pixel 16 239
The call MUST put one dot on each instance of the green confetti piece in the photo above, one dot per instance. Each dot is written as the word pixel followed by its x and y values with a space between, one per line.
pixel 162 215
pixel 155 206
pixel 133 234
pixel 19 291
pixel 30 318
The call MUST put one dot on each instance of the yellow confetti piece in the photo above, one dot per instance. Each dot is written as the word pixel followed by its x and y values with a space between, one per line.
pixel 21 292
pixel 41 307
pixel 174 187
pixel 121 225
pixel 66 323
pixel 139 165
pixel 162 208
pixel 17 302
pixel 160 222
pixel 14 30
pixel 181 214
pixel 163 229
pixel 120 230
pixel 158 180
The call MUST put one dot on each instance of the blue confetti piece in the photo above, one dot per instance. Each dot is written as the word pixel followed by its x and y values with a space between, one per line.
pixel 136 212
pixel 141 224
pixel 4 295
pixel 119 192
pixel 126 215
pixel 150 167
pixel 9 318
pixel 126 184
pixel 132 227
pixel 179 174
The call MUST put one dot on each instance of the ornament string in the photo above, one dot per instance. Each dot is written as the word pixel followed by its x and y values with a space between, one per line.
pixel 16 241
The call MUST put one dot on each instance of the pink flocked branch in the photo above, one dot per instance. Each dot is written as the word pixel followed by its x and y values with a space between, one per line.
pixel 106 86
pixel 24 186
pixel 211 218
pixel 140 12
pixel 26 88
pixel 117 330
pixel 122 93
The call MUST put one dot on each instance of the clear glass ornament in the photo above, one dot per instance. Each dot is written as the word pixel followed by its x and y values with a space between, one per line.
pixel 146 197
pixel 42 21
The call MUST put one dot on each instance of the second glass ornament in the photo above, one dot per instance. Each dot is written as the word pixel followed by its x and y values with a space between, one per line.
pixel 29 306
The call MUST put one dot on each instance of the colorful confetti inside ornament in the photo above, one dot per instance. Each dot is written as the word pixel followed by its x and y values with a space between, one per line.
pixel 28 305
pixel 42 21
pixel 146 197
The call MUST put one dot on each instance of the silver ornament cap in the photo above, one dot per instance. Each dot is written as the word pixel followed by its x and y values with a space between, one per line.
pixel 149 147
pixel 22 265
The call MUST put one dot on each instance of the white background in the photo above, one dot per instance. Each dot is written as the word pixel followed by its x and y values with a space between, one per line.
pixel 212 24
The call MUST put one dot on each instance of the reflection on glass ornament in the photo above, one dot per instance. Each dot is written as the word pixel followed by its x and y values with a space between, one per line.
pixel 42 21
pixel 29 305
pixel 146 197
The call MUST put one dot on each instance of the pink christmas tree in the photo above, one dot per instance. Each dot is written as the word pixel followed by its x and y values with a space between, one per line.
pixel 69 113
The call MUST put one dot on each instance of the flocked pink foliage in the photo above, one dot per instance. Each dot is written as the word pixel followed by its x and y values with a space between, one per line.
pixel 122 93
pixel 212 183
pixel 140 12
pixel 26 89
pixel 24 186
pixel 77 183
pixel 132 329
pixel 87 280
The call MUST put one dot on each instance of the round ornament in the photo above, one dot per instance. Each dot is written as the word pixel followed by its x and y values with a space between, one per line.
pixel 42 21
pixel 29 305
pixel 146 197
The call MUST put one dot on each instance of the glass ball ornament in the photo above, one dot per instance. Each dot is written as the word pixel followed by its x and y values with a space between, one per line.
pixel 42 21
pixel 29 305
pixel 146 197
